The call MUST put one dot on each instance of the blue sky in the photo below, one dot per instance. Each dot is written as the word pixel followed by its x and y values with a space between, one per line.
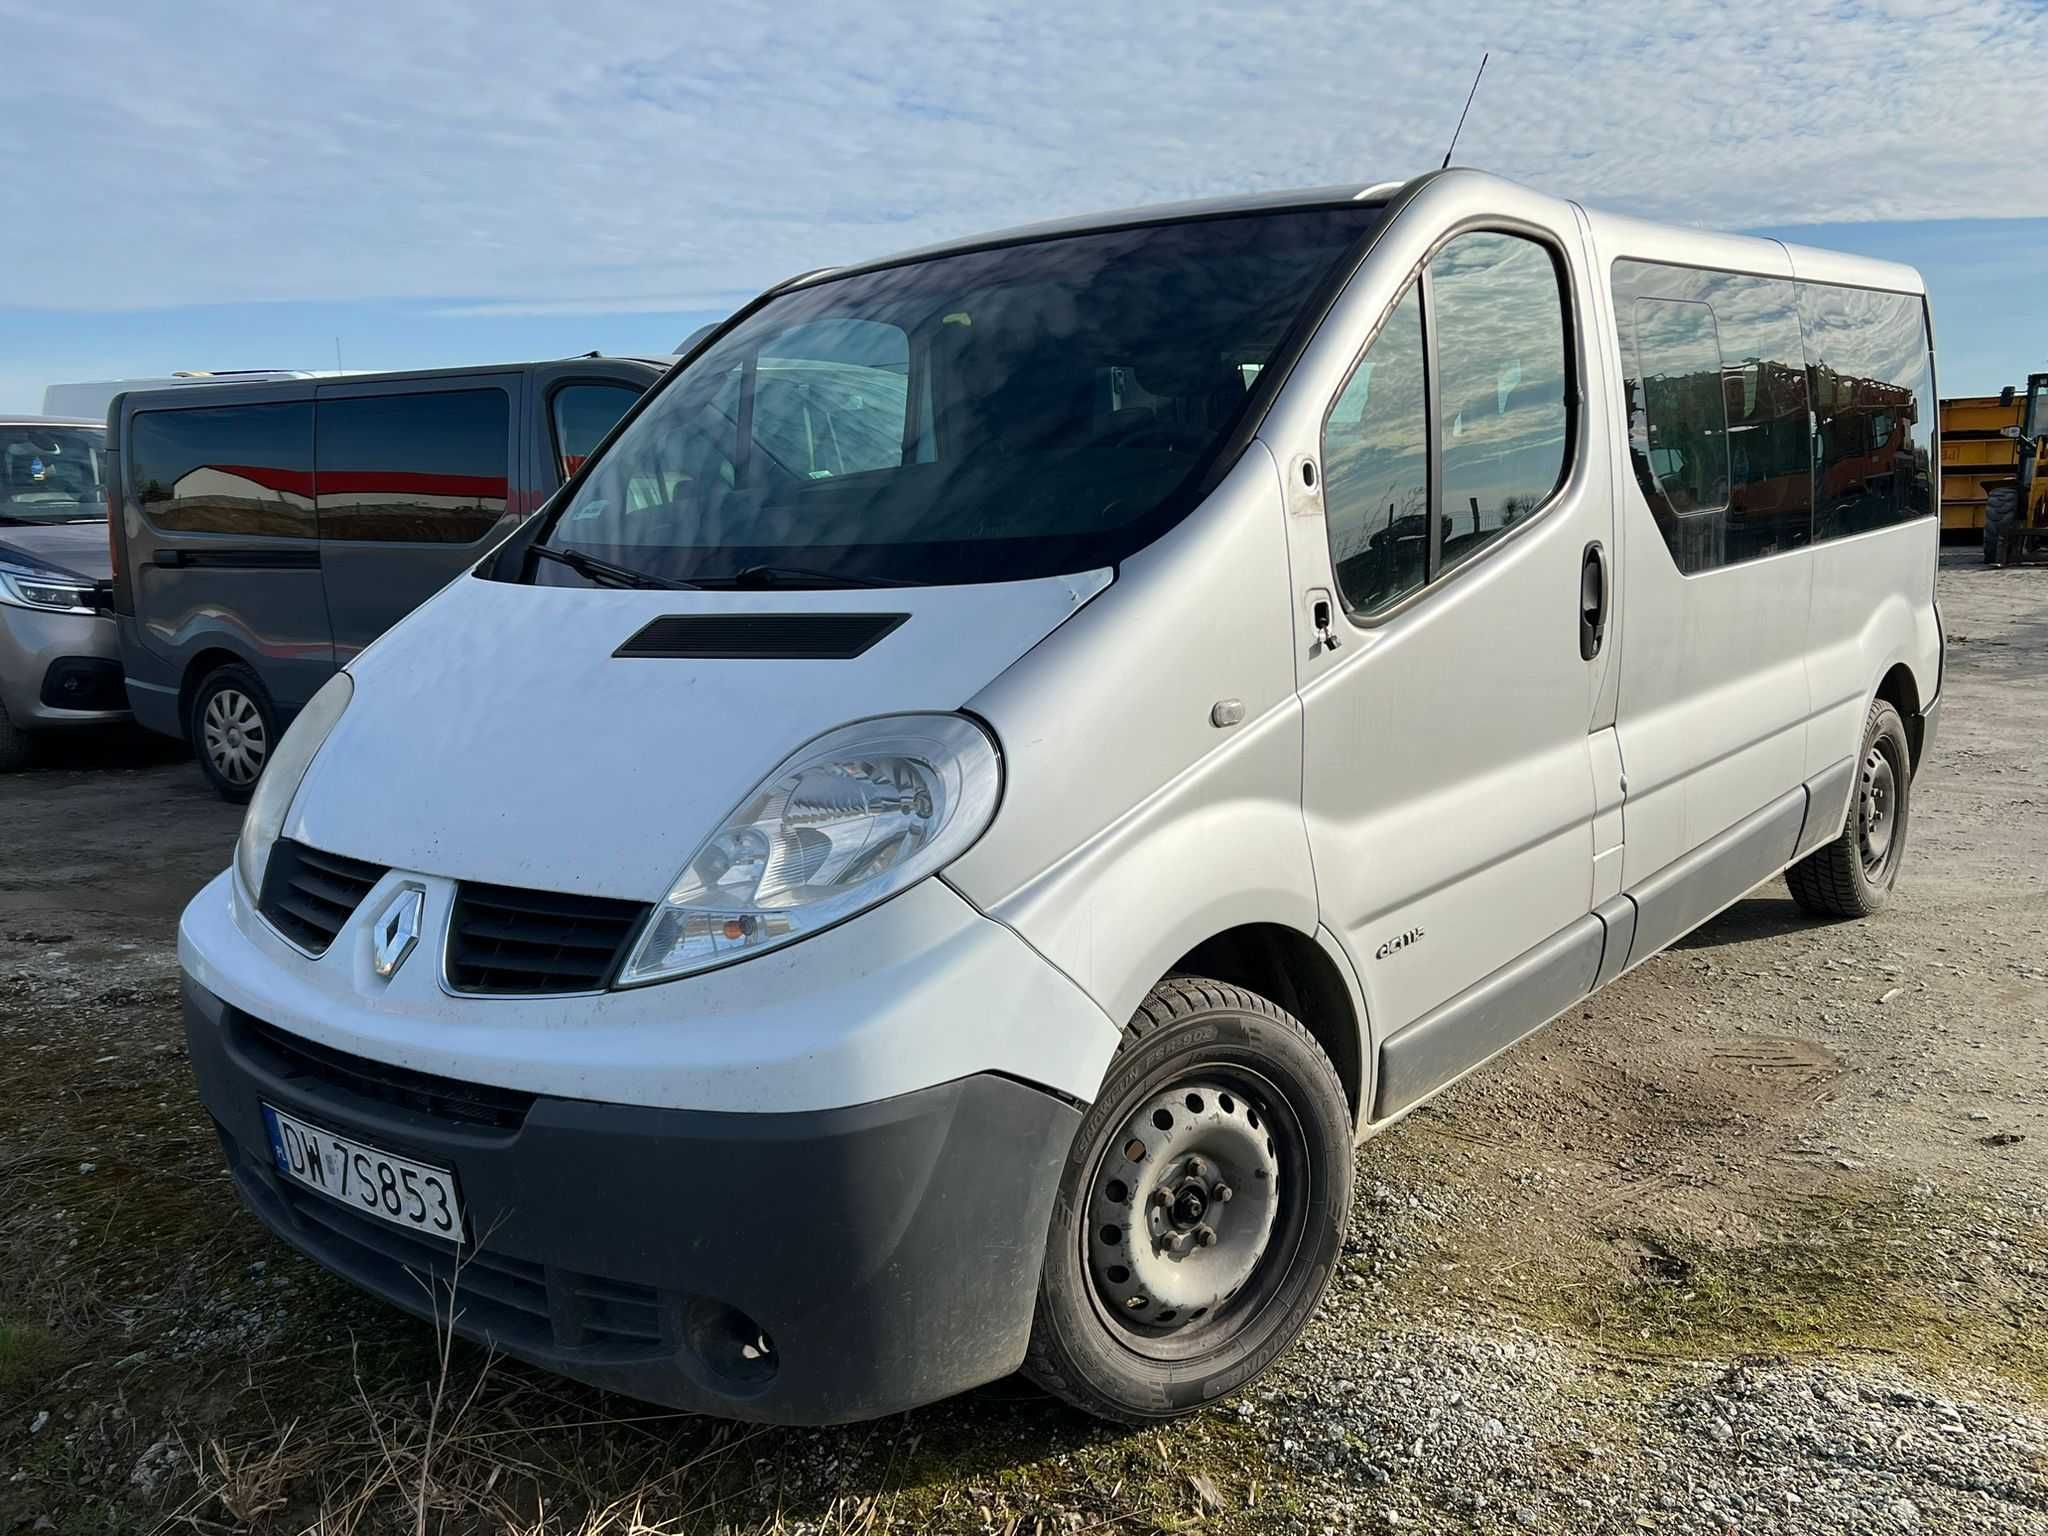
pixel 451 181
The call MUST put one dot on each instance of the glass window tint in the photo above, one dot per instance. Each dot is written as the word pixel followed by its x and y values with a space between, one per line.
pixel 1868 367
pixel 1502 418
pixel 1715 377
pixel 583 413
pixel 987 415
pixel 51 473
pixel 1376 468
pixel 424 468
pixel 244 469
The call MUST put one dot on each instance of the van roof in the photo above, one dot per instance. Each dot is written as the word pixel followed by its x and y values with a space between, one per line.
pixel 30 419
pixel 244 389
pixel 1617 234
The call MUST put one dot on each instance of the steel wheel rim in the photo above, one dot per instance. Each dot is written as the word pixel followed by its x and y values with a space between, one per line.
pixel 234 737
pixel 1214 1289
pixel 1877 811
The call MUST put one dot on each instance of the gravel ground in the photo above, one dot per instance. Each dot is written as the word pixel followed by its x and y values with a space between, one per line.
pixel 1757 1241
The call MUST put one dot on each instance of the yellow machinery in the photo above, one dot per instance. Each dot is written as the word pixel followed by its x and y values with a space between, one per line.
pixel 1990 447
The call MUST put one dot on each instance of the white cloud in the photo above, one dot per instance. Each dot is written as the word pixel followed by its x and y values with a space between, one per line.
pixel 613 155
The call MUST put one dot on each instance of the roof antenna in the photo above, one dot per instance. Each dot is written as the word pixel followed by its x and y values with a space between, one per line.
pixel 1468 107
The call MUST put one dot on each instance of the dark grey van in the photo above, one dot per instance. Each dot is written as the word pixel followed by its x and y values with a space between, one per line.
pixel 267 532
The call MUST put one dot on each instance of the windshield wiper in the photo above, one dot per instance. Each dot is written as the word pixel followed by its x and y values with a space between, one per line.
pixel 603 572
pixel 794 576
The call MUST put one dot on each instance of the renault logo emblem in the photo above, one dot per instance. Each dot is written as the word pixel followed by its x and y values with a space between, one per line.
pixel 392 939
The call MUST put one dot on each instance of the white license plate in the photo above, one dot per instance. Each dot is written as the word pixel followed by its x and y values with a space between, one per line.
pixel 395 1189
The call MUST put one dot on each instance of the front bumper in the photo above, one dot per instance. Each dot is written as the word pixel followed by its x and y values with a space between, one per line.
pixel 76 648
pixel 889 1250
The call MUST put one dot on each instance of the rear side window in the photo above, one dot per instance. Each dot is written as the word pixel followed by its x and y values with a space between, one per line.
pixel 422 468
pixel 582 414
pixel 1873 408
pixel 1501 416
pixel 237 469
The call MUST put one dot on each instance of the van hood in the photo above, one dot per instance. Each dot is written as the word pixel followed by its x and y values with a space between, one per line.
pixel 495 736
pixel 62 549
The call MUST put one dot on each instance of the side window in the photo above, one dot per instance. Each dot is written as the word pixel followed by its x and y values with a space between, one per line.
pixel 424 468
pixel 1715 380
pixel 244 469
pixel 1867 363
pixel 1678 436
pixel 582 414
pixel 1501 403
pixel 1376 468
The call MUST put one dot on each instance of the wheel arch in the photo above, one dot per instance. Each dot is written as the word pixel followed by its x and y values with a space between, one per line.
pixel 1298 972
pixel 1900 689
pixel 202 666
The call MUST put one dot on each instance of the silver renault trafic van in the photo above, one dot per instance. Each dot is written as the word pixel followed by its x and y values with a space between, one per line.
pixel 924 857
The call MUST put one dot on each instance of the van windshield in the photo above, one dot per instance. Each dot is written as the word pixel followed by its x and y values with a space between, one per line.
pixel 51 474
pixel 1027 410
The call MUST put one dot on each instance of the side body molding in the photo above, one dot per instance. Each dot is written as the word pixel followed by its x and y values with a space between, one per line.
pixel 1623 931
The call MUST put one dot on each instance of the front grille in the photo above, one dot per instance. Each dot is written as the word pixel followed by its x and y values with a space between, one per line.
pixel 294 1060
pixel 508 941
pixel 508 1299
pixel 308 895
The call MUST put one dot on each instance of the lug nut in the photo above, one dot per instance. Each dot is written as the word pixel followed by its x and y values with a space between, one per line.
pixel 1222 1192
pixel 1160 1197
pixel 1205 1236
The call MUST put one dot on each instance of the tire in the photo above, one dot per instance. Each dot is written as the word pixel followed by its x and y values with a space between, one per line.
pixel 233 730
pixel 1207 1075
pixel 1853 876
pixel 16 747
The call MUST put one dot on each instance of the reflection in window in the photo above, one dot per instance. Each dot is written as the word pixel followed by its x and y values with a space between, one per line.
pixel 1873 409
pixel 1376 468
pixel 245 469
pixel 1501 364
pixel 422 468
pixel 583 414
pixel 1715 380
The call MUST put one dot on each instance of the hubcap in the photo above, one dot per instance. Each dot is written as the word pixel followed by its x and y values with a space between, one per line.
pixel 233 736
pixel 1183 1207
pixel 1877 811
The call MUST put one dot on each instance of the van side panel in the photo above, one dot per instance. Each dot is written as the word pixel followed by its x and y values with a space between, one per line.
pixel 1133 828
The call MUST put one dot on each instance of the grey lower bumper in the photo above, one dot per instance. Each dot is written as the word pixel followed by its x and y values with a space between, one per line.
pixel 53 668
pixel 889 1251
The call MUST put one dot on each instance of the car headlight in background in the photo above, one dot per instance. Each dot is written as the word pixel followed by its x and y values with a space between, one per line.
pixel 264 820
pixel 850 820
pixel 22 587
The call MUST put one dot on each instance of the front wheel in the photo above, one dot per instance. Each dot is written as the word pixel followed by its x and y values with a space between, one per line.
pixel 1853 876
pixel 233 727
pixel 1201 1212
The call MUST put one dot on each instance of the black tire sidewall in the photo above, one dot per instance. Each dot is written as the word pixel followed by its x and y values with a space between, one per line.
pixel 1884 723
pixel 1119 1382
pixel 236 676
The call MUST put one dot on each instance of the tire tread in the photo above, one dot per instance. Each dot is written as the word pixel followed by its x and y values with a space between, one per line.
pixel 1829 881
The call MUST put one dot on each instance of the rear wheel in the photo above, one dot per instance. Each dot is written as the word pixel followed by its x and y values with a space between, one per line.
pixel 233 729
pixel 1853 875
pixel 1201 1213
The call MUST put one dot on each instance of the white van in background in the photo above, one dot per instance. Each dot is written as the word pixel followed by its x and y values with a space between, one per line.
pixel 90 398
pixel 922 859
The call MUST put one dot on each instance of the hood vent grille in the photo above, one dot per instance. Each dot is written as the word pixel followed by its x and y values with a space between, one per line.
pixel 761 636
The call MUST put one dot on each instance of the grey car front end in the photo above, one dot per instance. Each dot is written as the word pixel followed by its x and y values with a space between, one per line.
pixel 60 659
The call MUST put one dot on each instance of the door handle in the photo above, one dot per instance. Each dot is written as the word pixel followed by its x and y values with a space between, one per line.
pixel 173 557
pixel 1592 601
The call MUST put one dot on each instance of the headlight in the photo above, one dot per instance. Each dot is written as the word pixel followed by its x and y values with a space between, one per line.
pixel 281 776
pixel 24 588
pixel 849 821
